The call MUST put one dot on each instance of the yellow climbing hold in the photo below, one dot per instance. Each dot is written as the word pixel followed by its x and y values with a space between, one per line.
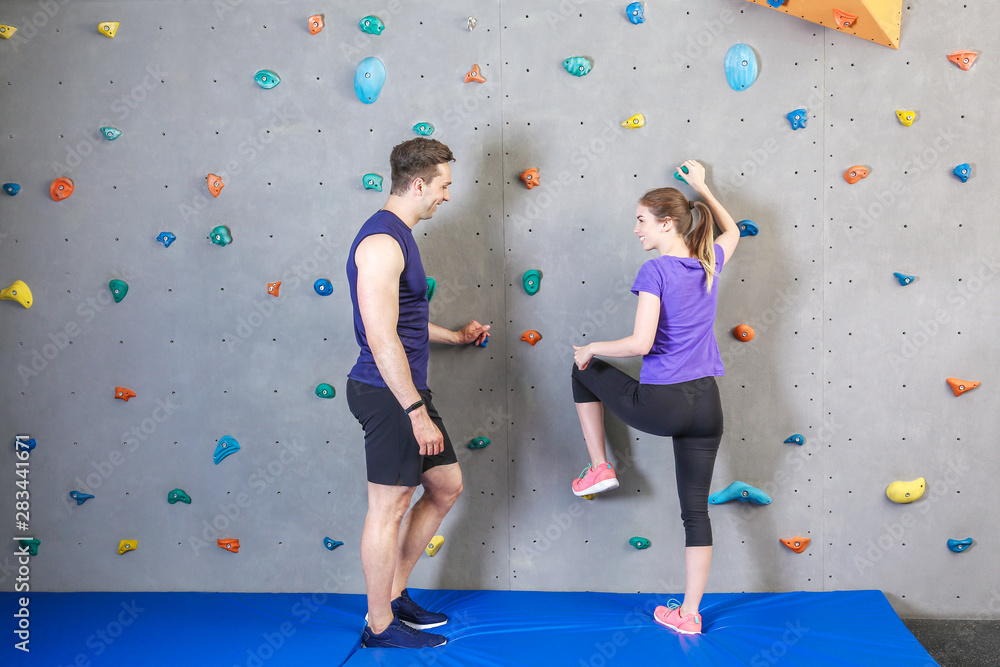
pixel 7 31
pixel 19 292
pixel 435 545
pixel 906 117
pixel 127 545
pixel 636 121
pixel 108 28
pixel 906 492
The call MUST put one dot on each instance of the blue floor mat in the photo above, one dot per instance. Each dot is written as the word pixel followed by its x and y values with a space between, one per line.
pixel 487 628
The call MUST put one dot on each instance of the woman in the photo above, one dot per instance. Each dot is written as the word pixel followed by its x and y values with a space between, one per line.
pixel 676 394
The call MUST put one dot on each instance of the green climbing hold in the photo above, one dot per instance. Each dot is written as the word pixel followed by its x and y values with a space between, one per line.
pixel 178 496
pixel 424 129
pixel 478 443
pixel 31 545
pixel 372 25
pixel 325 391
pixel 532 281
pixel 119 288
pixel 221 236
pixel 640 542
pixel 431 286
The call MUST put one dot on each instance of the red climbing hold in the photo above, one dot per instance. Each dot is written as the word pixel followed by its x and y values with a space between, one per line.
pixel 843 19
pixel 272 288
pixel 531 177
pixel 215 184
pixel 124 393
pixel 961 386
pixel 744 333
pixel 61 188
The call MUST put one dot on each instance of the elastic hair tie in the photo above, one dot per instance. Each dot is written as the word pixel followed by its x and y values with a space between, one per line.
pixel 691 204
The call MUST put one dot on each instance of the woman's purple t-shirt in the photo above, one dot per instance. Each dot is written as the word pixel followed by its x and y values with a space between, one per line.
pixel 684 348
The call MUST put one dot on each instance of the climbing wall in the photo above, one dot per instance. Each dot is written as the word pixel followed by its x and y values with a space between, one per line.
pixel 844 355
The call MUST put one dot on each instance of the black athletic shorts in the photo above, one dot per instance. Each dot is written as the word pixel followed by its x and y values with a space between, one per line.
pixel 391 450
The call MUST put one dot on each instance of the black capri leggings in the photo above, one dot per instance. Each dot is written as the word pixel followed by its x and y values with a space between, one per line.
pixel 689 412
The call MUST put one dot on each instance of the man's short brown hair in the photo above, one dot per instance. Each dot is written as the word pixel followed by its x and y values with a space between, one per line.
pixel 416 158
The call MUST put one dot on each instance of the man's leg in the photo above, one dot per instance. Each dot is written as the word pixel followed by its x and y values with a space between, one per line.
pixel 442 487
pixel 386 506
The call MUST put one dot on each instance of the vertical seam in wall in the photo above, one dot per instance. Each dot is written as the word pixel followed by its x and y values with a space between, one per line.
pixel 503 240
pixel 823 363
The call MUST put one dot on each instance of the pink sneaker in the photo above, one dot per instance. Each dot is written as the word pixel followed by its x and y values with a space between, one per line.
pixel 595 480
pixel 670 616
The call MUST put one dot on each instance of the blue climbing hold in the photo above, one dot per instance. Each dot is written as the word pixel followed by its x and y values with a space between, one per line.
pixel 24 443
pixel 963 171
pixel 797 118
pixel 368 79
pixel 323 287
pixel 483 344
pixel 11 188
pixel 578 65
pixel 424 129
pixel 640 542
pixel 372 182
pixel 266 79
pixel 960 545
pixel 634 13
pixel 775 3
pixel 331 544
pixel 747 228
pixel 741 66
pixel 742 492
pixel 166 238
pixel 795 439
pixel 80 497
pixel 904 279
pixel 679 177
pixel 111 133
pixel 227 445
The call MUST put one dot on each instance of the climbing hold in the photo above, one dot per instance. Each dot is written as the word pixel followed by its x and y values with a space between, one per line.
pixel 124 393
pixel 61 188
pixel 578 65
pixel 24 443
pixel 531 177
pixel 368 79
pixel 31 544
pixel 473 22
pixel 744 333
pixel 17 291
pixel 331 544
pixel 474 74
pixel 372 182
pixel 11 188
pixel 323 287
pixel 742 492
pixel 266 79
pixel 435 545
pixel 532 280
pixel 479 443
pixel 325 391
pixel 372 25
pixel 119 288
pixel 531 337
pixel 315 24
pixel 227 445
pixel 634 13
pixel 589 496
pixel 797 118
pixel 80 497
pixel 634 122
pixel 741 67
pixel 747 228
pixel 679 177
pixel 906 117
pixel 905 492
pixel 424 129
pixel 796 544
pixel 855 174
pixel 127 545
pixel 485 341
pixel 7 31
pixel 961 386
pixel 215 184
pixel 640 542
pixel 229 545
pixel 108 28
pixel 166 238
pixel 178 496
pixel 775 3
pixel 431 287
pixel 963 59
pixel 960 545
pixel 795 439
pixel 221 236
pixel 843 19
pixel 272 288
pixel 963 171
pixel 111 133
pixel 904 279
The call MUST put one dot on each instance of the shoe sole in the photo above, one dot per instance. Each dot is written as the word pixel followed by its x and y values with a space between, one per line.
pixel 600 487
pixel 364 645
pixel 676 629
pixel 416 626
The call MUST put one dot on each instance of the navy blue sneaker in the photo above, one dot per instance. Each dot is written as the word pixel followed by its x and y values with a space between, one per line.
pixel 414 615
pixel 400 635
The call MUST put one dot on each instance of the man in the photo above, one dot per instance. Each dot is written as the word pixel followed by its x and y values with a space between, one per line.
pixel 406 444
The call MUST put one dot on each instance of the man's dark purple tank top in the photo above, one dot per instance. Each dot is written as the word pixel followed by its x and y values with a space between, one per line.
pixel 413 311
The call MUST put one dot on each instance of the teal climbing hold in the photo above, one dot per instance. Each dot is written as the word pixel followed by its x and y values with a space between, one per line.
pixel 747 228
pixel 323 287
pixel 479 443
pixel 221 236
pixel 331 544
pixel 578 65
pixel 903 279
pixel 11 188
pixel 424 129
pixel 372 25
pixel 679 177
pixel 325 391
pixel 640 542
pixel 119 288
pixel 372 182
pixel 80 497
pixel 111 133
pixel 31 545
pixel 960 545
pixel 266 79
pixel 742 492
pixel 178 496
pixel 369 79
pixel 227 445
pixel 532 281
pixel 741 67
pixel 431 287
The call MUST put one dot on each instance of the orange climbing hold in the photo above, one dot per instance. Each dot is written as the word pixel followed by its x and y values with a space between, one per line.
pixel 215 184
pixel 531 336
pixel 61 188
pixel 272 288
pixel 963 59
pixel 531 177
pixel 744 332
pixel 315 24
pixel 796 544
pixel 961 386
pixel 843 19
pixel 124 393
pixel 230 545
pixel 855 174
pixel 474 75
